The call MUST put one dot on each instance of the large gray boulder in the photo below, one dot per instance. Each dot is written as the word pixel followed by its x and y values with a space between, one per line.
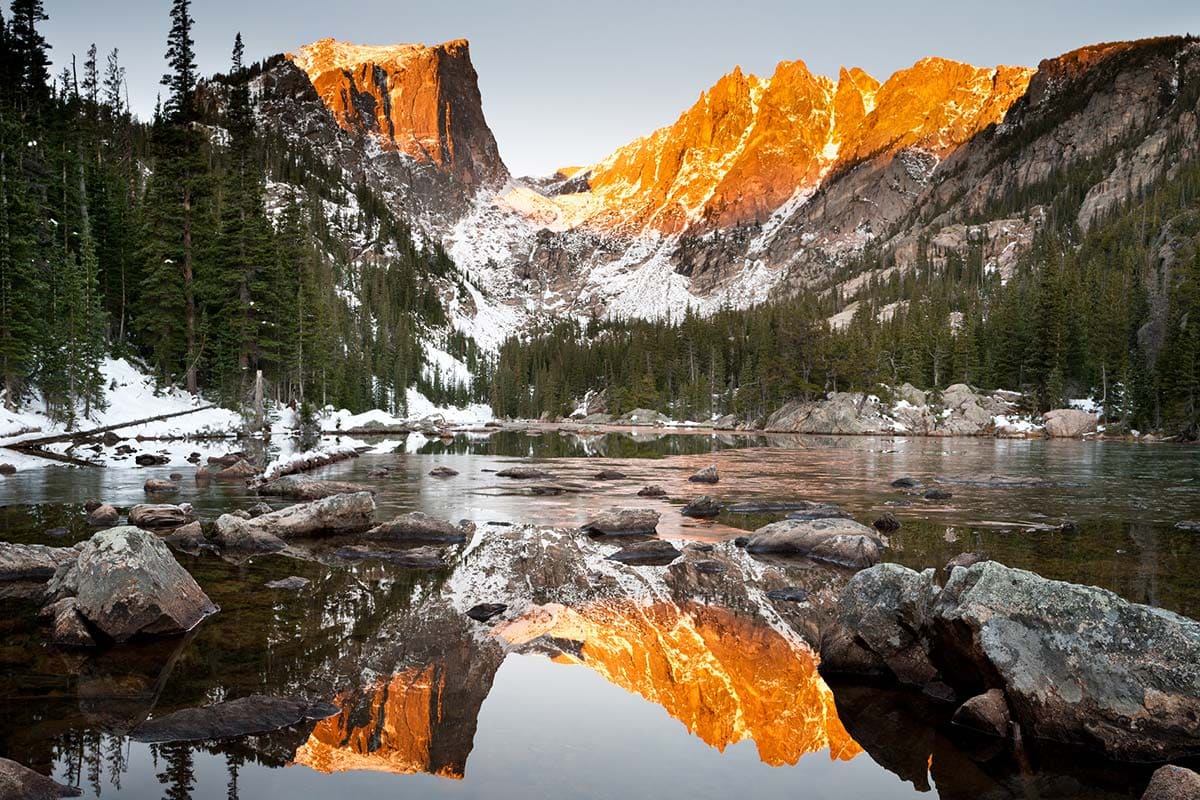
pixel 338 514
pixel 1173 783
pixel 1078 664
pixel 837 541
pixel 127 583
pixel 419 527
pixel 32 562
pixel 17 781
pixel 160 515
pixel 1069 423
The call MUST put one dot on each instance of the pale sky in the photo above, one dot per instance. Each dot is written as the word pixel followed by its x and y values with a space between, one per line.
pixel 566 82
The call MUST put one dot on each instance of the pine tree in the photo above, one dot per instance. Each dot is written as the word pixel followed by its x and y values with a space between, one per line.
pixel 30 48
pixel 181 58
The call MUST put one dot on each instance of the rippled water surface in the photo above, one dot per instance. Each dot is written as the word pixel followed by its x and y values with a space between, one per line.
pixel 602 680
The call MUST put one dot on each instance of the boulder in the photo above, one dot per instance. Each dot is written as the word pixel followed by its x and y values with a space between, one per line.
pixel 103 516
pixel 32 562
pixel 707 475
pixel 240 513
pixel 905 482
pixel 227 460
pixel 7 469
pixel 709 567
pixel 907 393
pixel 151 460
pixel 1069 423
pixel 126 583
pixel 964 560
pixel 485 611
pixel 258 509
pixel 239 471
pixel 938 494
pixel 160 486
pixel 728 422
pixel 640 417
pixel 624 522
pixel 188 539
pixel 160 515
pixel 411 558
pixel 18 782
pixel 1173 783
pixel 885 610
pixel 655 552
pixel 379 472
pixel 1078 664
pixel 523 473
pixel 652 491
pixel 338 514
pixel 443 472
pixel 68 628
pixel 703 507
pixel 302 487
pixel 985 713
pixel 232 719
pixel 838 541
pixel 418 527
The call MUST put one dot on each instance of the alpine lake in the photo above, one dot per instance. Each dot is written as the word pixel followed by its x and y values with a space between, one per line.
pixel 600 679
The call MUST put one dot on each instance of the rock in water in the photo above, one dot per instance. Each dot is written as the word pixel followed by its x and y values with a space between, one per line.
pixel 188 539
pixel 239 471
pixel 159 486
pixel 443 472
pixel 290 584
pixel 150 460
pixel 788 594
pixel 838 541
pixel 707 475
pixel 1173 783
pixel 7 469
pixel 938 494
pixel 655 552
pixel 610 475
pixel 1079 664
pixel 159 515
pixel 341 513
pixel 1069 423
pixel 126 582
pixel 906 482
pixel 652 491
pixel 21 783
pixel 258 509
pixel 985 713
pixel 418 527
pixel 1192 525
pixel 485 611
pixel 522 473
pixel 412 558
pixel 32 562
pixel 887 523
pixel 301 487
pixel 103 516
pixel 964 560
pixel 624 522
pixel 703 507
pixel 242 717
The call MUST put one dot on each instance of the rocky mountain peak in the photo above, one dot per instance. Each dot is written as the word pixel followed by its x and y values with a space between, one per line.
pixel 418 100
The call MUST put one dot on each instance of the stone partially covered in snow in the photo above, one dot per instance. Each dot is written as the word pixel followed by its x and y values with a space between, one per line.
pixel 624 522
pixel 1069 423
pixel 337 514
pixel 126 583
pixel 838 541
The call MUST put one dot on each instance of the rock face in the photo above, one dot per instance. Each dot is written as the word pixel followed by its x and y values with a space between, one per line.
pixel 960 411
pixel 624 522
pixel 17 781
pixel 422 102
pixel 1069 423
pixel 1076 664
pixel 1173 783
pixel 338 514
pixel 838 541
pixel 126 583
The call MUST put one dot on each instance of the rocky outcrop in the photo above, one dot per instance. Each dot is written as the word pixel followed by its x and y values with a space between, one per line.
pixel 837 541
pixel 1069 423
pixel 1076 664
pixel 337 514
pixel 126 583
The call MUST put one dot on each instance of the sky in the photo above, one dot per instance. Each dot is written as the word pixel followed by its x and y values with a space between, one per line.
pixel 566 82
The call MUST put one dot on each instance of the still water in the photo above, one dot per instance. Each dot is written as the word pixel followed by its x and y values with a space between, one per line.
pixel 602 680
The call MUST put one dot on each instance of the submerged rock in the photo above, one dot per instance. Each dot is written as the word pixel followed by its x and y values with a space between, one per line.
pixel 887 523
pixel 624 522
pixel 1189 525
pixel 151 460
pixel 18 782
pixel 412 558
pixel 906 482
pixel 160 515
pixel 838 541
pixel 938 494
pixel 707 475
pixel 418 527
pixel 523 473
pixel 610 475
pixel 291 583
pixel 126 583
pixel 32 562
pixel 788 594
pixel 234 718
pixel 655 552
pixel 703 507
pixel 774 506
pixel 819 511
pixel 485 611
pixel 341 513
pixel 443 472
pixel 302 487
